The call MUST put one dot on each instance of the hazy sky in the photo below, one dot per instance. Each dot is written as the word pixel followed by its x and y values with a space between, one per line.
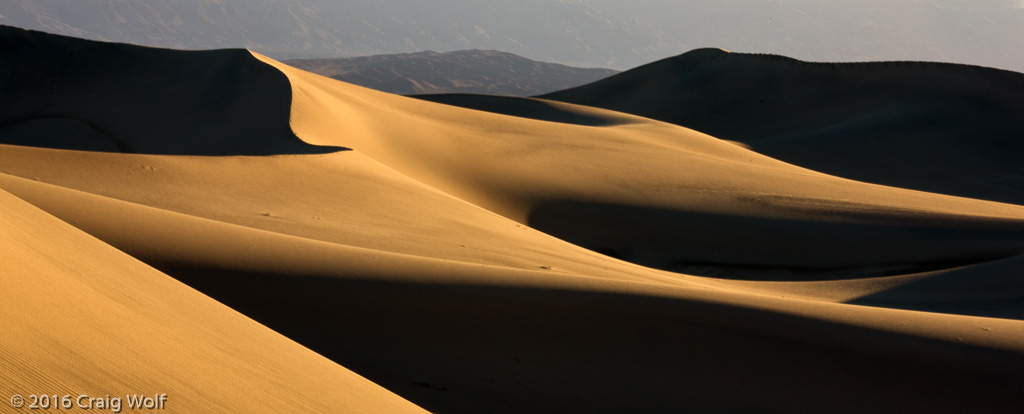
pixel 610 33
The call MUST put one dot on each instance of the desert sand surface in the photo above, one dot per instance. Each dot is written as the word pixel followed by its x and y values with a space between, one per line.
pixel 473 254
pixel 82 318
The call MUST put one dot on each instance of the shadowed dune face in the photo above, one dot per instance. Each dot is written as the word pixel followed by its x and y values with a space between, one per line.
pixel 991 289
pixel 944 128
pixel 69 93
pixel 528 108
pixel 742 246
pixel 425 259
pixel 513 348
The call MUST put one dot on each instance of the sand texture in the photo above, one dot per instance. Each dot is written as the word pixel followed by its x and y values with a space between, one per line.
pixel 612 248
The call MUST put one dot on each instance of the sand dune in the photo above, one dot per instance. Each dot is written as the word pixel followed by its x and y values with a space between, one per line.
pixel 403 320
pixel 946 128
pixel 515 257
pixel 588 187
pixel 81 318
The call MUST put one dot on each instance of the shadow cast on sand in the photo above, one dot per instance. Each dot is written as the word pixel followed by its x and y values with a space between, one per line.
pixel 503 349
pixel 774 249
pixel 991 289
pixel 529 108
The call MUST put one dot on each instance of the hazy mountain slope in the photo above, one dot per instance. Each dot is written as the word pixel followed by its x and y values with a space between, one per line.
pixel 945 128
pixel 589 33
pixel 467 71
pixel 324 28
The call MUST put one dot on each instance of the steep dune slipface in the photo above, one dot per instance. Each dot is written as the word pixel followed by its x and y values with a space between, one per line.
pixel 946 128
pixel 653 193
pixel 413 260
pixel 70 93
pixel 82 318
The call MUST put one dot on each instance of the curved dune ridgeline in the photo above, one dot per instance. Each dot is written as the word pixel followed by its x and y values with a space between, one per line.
pixel 509 255
pixel 946 128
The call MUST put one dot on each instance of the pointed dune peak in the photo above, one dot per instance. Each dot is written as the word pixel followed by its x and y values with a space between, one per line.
pixel 68 93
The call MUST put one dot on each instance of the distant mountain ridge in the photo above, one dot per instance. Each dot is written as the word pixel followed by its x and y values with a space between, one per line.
pixel 571 32
pixel 587 33
pixel 466 71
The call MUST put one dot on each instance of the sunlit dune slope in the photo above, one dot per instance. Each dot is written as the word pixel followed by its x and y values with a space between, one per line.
pixel 437 257
pixel 653 193
pixel 82 318
pixel 342 198
pixel 938 127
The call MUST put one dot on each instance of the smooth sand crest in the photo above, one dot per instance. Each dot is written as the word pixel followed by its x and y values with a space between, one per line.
pixel 946 128
pixel 653 193
pixel 82 318
pixel 422 260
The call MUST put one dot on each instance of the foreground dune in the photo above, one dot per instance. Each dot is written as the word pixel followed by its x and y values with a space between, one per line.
pixel 473 261
pixel 81 318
